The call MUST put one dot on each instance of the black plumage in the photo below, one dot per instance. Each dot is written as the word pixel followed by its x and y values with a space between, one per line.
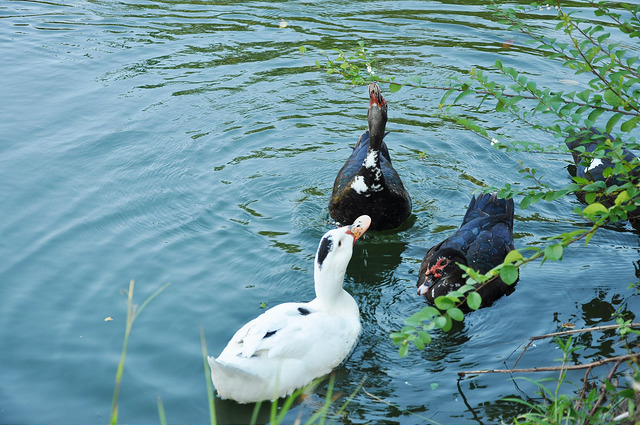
pixel 368 183
pixel 587 164
pixel 482 241
pixel 592 162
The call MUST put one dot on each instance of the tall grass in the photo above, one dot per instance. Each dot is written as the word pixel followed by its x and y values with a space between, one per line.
pixel 132 314
pixel 277 412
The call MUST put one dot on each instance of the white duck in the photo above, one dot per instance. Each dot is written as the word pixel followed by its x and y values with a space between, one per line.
pixel 291 344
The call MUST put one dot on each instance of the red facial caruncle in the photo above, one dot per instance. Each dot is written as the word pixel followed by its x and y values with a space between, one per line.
pixel 437 268
pixel 375 96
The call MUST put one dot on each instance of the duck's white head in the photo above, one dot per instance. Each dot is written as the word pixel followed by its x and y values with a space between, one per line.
pixel 333 255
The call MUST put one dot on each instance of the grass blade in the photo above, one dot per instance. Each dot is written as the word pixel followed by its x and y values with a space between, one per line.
pixel 207 376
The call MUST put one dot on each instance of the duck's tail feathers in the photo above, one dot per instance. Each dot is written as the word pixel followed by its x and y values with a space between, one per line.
pixel 225 370
pixel 488 204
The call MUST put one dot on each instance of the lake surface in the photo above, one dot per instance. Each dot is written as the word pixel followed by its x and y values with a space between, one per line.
pixel 192 143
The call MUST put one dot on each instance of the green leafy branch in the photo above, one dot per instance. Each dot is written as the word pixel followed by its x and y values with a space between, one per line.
pixel 448 307
pixel 611 95
pixel 612 67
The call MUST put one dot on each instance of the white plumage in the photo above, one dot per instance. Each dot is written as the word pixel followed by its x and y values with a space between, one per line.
pixel 291 344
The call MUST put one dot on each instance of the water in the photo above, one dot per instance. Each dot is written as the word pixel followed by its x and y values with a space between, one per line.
pixel 192 143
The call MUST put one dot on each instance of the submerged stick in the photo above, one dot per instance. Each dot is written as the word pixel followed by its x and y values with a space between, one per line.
pixel 554 368
pixel 572 331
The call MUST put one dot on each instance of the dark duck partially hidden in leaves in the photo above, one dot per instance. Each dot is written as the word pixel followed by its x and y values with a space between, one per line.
pixel 482 241
pixel 592 161
pixel 368 183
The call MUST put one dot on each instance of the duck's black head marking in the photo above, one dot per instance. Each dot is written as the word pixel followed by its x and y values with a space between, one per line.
pixel 323 250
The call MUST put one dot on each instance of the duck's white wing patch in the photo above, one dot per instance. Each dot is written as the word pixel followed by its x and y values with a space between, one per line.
pixel 312 336
pixel 250 337
pixel 595 163
pixel 359 185
pixel 292 330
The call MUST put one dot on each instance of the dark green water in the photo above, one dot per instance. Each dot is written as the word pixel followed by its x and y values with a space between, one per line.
pixel 191 143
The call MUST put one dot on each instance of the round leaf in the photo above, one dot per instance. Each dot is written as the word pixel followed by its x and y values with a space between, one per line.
pixel 509 274
pixel 444 303
pixel 424 337
pixel 456 314
pixel 440 322
pixel 553 252
pixel 394 87
pixel 474 300
pixel 594 208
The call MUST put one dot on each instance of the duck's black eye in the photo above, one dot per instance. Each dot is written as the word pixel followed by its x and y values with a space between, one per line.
pixel 339 243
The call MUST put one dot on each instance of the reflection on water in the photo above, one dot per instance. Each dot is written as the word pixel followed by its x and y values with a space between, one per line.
pixel 192 143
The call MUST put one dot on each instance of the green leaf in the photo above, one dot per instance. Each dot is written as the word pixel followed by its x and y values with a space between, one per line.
pixel 403 350
pixel 445 96
pixel 424 337
pixel 408 329
pixel 418 343
pixel 456 314
pixel 474 300
pixel 590 197
pixel 513 256
pixel 463 95
pixel 553 252
pixel 613 121
pixel 622 197
pixel 509 274
pixel 413 320
pixel 440 322
pixel 595 113
pixel 530 199
pixel 447 324
pixel 526 202
pixel 553 195
pixel 584 95
pixel 630 124
pixel 612 98
pixel 588 238
pixel 444 303
pixel 397 337
pixel 427 313
pixel 594 208
pixel 394 87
